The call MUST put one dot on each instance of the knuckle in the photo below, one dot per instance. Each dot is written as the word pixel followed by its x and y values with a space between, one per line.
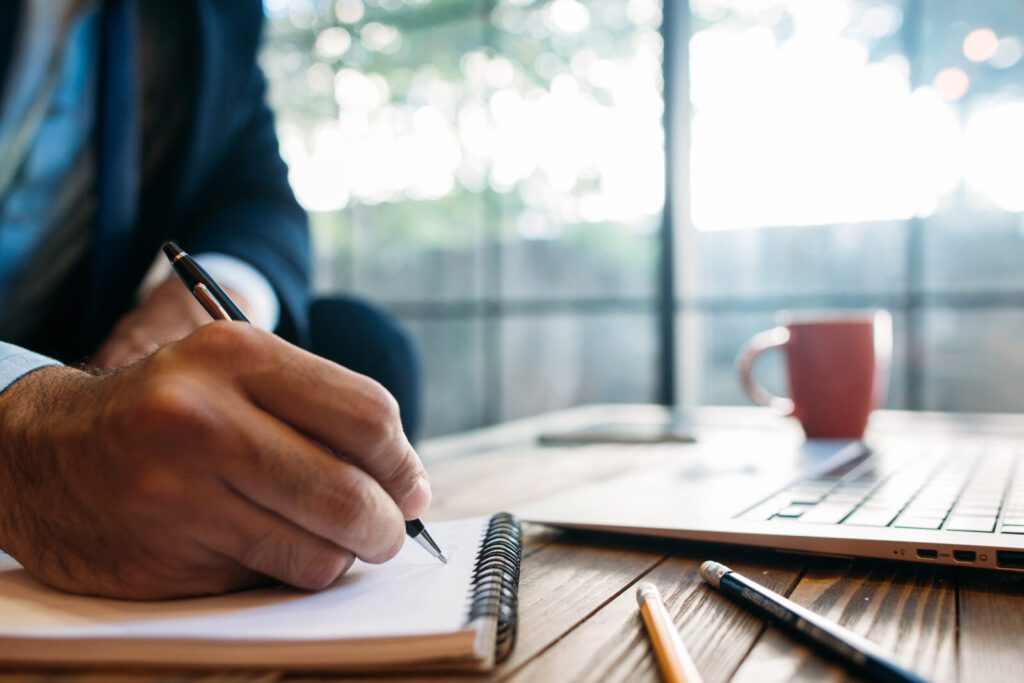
pixel 387 536
pixel 397 541
pixel 319 567
pixel 382 434
pixel 352 498
pixel 407 469
pixel 379 413
pixel 297 561
pixel 168 402
pixel 367 520
pixel 228 339
pixel 386 405
pixel 260 553
pixel 166 410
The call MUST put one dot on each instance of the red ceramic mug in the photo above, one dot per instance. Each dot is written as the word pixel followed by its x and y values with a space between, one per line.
pixel 837 364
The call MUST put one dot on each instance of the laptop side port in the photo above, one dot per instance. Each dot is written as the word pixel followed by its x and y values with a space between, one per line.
pixel 927 553
pixel 965 555
pixel 1010 559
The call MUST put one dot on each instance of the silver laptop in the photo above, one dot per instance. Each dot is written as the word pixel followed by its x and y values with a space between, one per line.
pixel 945 499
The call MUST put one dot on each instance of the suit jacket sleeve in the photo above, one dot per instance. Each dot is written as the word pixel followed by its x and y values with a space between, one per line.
pixel 246 208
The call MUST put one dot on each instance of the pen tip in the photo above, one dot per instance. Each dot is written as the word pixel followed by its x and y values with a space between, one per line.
pixel 435 550
pixel 171 250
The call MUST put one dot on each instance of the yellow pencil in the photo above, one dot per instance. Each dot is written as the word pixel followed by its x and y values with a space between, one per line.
pixel 675 661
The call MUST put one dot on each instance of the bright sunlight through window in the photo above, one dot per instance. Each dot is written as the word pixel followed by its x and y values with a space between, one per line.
pixel 795 123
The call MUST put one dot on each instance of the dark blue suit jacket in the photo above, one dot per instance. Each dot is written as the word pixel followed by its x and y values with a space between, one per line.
pixel 224 189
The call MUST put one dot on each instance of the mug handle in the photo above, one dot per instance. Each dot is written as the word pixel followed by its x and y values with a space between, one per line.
pixel 758 344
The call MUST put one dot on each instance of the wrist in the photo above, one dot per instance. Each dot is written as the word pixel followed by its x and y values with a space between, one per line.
pixel 30 410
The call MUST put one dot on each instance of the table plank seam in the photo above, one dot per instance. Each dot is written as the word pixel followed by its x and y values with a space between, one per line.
pixel 505 675
pixel 797 578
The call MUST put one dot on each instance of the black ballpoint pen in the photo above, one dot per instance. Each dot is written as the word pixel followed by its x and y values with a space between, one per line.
pixel 220 307
pixel 856 651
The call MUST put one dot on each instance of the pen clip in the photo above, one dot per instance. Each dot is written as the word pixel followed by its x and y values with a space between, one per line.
pixel 212 306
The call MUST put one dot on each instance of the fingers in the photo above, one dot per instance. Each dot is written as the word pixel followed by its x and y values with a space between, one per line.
pixel 285 472
pixel 347 412
pixel 262 542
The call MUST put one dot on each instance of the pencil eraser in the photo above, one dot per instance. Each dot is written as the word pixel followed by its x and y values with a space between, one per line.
pixel 646 589
pixel 712 572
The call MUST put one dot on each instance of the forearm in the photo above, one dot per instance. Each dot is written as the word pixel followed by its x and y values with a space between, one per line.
pixel 31 411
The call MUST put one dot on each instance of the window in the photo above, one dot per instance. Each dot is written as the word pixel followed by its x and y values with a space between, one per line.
pixel 856 154
pixel 492 172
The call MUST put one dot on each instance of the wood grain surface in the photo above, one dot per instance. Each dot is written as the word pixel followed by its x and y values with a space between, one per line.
pixel 578 612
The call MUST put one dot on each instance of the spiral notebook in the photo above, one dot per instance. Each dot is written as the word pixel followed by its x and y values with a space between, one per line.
pixel 410 613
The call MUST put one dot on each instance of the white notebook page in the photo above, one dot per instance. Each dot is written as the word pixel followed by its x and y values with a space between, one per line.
pixel 413 594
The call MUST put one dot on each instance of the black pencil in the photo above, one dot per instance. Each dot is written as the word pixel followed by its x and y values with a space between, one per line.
pixel 859 653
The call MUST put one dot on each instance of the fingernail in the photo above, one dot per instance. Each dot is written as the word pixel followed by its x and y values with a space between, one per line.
pixel 417 500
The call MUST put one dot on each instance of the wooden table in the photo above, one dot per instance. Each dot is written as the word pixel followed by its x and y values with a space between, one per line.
pixel 578 614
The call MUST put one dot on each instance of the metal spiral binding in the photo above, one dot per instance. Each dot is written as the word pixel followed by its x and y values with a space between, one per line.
pixel 496 579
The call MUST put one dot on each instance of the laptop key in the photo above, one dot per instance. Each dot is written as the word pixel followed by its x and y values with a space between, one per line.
pixel 845 497
pixel 826 513
pixel 918 522
pixel 793 511
pixel 975 511
pixel 888 498
pixel 965 523
pixel 916 510
pixel 871 517
pixel 808 497
pixel 1013 529
pixel 762 512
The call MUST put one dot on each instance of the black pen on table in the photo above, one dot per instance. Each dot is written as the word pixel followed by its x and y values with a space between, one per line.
pixel 220 307
pixel 856 651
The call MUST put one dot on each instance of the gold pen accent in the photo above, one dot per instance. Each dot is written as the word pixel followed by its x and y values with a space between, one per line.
pixel 207 301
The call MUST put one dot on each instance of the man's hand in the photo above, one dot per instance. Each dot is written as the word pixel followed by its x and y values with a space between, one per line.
pixel 207 466
pixel 168 313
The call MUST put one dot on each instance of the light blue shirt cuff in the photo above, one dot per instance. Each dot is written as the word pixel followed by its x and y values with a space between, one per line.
pixel 16 362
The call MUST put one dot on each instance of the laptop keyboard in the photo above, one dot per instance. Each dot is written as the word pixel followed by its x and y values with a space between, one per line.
pixel 971 487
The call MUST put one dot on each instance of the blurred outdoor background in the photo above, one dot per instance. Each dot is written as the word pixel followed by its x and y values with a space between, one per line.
pixel 493 172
